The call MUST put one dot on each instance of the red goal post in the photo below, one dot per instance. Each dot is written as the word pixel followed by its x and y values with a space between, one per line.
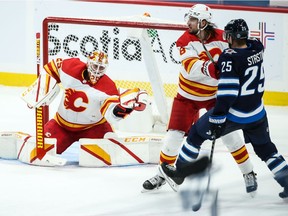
pixel 141 50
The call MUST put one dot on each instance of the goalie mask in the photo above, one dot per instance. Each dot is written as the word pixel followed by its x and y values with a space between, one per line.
pixel 97 64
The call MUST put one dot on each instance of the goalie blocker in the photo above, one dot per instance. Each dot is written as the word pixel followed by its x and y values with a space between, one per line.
pixel 107 152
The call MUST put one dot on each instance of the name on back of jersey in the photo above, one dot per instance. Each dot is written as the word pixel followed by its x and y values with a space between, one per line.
pixel 254 59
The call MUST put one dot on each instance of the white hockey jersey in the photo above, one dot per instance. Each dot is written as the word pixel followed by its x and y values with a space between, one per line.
pixel 193 84
pixel 83 105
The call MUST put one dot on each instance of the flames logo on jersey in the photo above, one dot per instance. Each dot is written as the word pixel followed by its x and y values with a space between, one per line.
pixel 71 95
pixel 214 52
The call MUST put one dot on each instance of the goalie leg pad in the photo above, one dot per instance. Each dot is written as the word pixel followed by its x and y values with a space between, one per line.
pixel 27 153
pixel 119 151
pixel 8 145
pixel 21 146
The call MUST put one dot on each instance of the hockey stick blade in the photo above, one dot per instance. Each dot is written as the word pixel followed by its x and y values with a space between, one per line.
pixel 214 206
pixel 196 206
pixel 200 192
pixel 54 160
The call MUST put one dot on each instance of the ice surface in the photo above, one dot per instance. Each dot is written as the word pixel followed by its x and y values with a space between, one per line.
pixel 77 191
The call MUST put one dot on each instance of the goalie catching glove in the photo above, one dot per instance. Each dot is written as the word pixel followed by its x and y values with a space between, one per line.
pixel 130 99
pixel 42 92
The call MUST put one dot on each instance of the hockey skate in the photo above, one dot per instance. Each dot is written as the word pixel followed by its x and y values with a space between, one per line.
pixel 284 194
pixel 153 183
pixel 282 179
pixel 251 183
pixel 169 173
pixel 175 177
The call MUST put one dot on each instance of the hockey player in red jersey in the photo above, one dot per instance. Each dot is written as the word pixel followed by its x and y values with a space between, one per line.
pixel 199 46
pixel 91 101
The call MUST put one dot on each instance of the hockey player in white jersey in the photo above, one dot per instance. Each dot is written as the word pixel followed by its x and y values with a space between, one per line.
pixel 199 46
pixel 91 101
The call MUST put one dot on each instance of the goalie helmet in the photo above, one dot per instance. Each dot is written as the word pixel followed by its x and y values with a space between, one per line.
pixel 97 64
pixel 237 29
pixel 199 11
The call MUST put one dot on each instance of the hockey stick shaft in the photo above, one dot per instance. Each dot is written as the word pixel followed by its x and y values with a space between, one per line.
pixel 41 118
pixel 210 160
pixel 208 54
pixel 212 148
pixel 196 206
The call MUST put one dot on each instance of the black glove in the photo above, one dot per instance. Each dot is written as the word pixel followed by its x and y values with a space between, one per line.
pixel 121 111
pixel 217 124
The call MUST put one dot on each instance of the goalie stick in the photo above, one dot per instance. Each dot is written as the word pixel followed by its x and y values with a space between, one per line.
pixel 56 161
pixel 41 115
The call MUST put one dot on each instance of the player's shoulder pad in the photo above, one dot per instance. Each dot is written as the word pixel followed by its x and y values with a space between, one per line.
pixel 185 39
pixel 73 65
pixel 73 61
pixel 255 42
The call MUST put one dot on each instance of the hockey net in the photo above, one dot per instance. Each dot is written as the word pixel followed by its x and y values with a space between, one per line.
pixel 141 51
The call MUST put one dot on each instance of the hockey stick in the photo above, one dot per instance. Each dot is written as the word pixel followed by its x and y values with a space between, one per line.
pixel 39 112
pixel 208 53
pixel 196 206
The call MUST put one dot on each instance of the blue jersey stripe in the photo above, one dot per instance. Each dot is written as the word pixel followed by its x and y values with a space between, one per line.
pixel 244 120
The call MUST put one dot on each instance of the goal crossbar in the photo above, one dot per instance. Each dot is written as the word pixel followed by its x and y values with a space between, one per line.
pixel 106 22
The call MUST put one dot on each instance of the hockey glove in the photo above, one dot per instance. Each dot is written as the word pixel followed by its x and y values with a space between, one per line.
pixel 135 99
pixel 210 69
pixel 217 125
pixel 141 101
pixel 121 111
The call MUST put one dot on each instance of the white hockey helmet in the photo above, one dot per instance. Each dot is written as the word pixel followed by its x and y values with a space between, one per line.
pixel 199 11
pixel 97 64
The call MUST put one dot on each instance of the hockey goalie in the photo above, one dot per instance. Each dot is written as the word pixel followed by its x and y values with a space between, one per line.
pixel 90 105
